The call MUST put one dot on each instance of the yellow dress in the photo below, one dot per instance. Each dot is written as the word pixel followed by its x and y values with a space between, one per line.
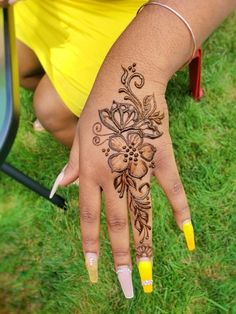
pixel 71 39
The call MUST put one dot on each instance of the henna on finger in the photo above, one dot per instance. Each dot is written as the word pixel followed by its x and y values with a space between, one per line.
pixel 143 250
pixel 127 124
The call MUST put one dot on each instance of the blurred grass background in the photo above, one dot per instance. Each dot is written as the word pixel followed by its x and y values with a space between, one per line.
pixel 41 262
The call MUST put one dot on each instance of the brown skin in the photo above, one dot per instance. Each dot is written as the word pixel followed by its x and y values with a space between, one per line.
pixel 159 53
pixel 31 71
pixel 160 44
pixel 52 113
pixel 93 178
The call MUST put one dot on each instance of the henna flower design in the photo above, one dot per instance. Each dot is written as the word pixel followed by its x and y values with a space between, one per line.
pixel 120 117
pixel 125 126
pixel 131 154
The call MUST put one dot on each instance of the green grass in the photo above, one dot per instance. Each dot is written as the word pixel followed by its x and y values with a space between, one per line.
pixel 41 262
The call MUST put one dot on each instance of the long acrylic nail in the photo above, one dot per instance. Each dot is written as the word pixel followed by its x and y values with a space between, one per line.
pixel 124 275
pixel 145 271
pixel 189 234
pixel 57 182
pixel 91 262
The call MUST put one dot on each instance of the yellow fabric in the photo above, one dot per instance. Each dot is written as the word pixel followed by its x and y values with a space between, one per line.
pixel 71 39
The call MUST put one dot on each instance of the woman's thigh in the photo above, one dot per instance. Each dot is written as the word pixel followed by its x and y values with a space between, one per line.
pixel 53 114
pixel 30 69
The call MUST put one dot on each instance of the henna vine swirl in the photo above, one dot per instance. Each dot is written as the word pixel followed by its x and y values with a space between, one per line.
pixel 129 123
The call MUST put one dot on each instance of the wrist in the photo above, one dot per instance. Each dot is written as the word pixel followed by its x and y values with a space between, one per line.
pixel 157 39
pixel 156 78
pixel 170 38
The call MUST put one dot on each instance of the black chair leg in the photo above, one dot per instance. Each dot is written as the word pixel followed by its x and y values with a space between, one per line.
pixel 32 185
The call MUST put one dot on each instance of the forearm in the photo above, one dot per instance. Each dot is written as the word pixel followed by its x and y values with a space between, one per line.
pixel 203 16
pixel 160 39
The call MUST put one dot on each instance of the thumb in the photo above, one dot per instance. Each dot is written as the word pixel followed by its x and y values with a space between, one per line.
pixel 70 172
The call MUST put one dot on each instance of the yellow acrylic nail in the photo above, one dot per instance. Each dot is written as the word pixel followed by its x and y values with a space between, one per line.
pixel 145 271
pixel 92 266
pixel 189 235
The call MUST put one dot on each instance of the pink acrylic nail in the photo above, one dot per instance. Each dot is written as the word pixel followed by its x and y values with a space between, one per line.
pixel 124 274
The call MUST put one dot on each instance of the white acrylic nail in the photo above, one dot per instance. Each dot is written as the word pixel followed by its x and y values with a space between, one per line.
pixel 56 183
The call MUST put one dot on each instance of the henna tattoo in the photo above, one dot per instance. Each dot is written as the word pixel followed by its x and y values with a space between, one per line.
pixel 143 251
pixel 129 122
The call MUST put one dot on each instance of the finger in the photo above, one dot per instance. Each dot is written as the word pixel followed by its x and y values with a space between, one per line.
pixel 70 172
pixel 89 205
pixel 167 174
pixel 140 208
pixel 118 229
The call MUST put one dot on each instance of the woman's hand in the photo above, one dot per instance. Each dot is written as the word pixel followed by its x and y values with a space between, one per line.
pixel 123 136
pixel 122 140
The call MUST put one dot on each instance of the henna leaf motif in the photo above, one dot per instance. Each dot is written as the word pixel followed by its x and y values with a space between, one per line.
pixel 117 181
pixel 124 76
pixel 138 225
pixel 140 209
pixel 120 185
pixel 131 182
pixel 144 216
pixel 105 117
pixel 157 117
pixel 149 105
pixel 149 128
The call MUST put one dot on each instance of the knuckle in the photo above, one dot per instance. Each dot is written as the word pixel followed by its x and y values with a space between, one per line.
pixel 181 210
pixel 88 215
pixel 87 171
pixel 120 253
pixel 116 223
pixel 89 242
pixel 177 188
